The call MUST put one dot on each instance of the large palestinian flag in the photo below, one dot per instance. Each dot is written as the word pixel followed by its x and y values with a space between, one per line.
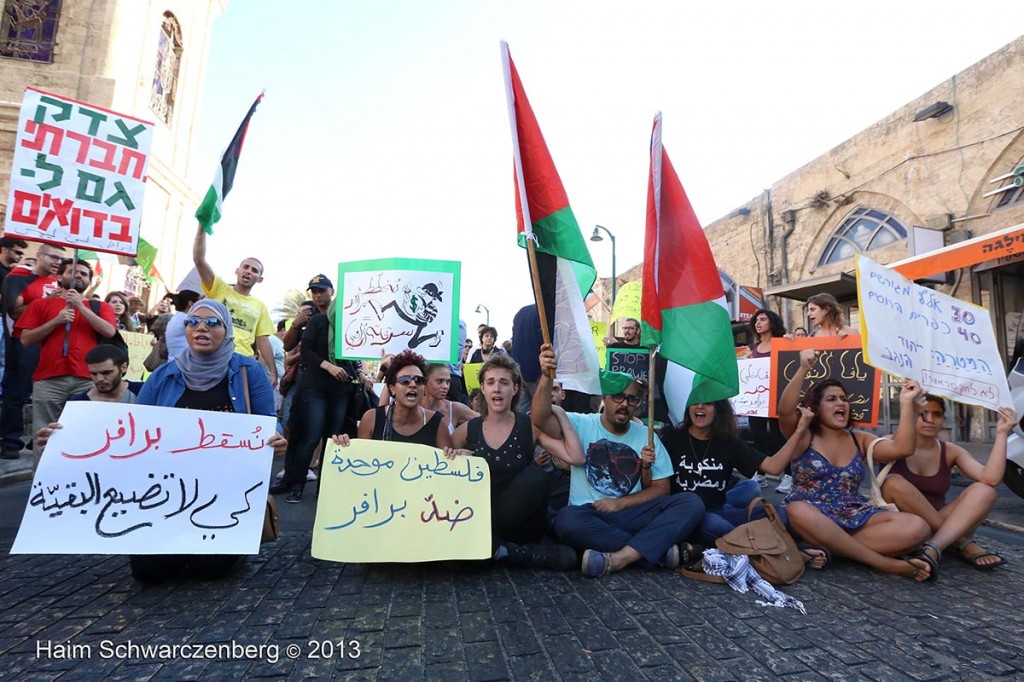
pixel 209 211
pixel 564 267
pixel 683 304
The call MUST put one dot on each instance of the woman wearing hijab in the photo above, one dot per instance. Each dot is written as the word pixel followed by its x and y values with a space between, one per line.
pixel 207 375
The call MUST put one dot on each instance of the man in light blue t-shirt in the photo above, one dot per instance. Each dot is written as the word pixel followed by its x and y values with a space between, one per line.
pixel 620 511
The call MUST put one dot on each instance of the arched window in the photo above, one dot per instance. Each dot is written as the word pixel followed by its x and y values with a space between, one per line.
pixel 28 29
pixel 863 230
pixel 168 64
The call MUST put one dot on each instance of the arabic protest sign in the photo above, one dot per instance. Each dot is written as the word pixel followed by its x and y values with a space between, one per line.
pixel 945 344
pixel 398 303
pixel 627 301
pixel 133 479
pixel 78 175
pixel 471 375
pixel 139 347
pixel 388 501
pixel 840 359
pixel 635 363
pixel 755 387
pixel 598 330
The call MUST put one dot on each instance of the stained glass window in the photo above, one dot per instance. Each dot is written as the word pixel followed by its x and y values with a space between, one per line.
pixel 863 230
pixel 28 29
pixel 168 63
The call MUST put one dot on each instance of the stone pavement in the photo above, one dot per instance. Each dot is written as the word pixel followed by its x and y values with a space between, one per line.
pixel 479 622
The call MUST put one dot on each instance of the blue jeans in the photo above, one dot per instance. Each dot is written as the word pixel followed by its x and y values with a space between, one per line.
pixel 17 389
pixel 649 528
pixel 720 520
pixel 315 415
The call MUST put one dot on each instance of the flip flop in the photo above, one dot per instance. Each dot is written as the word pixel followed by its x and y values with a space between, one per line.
pixel 805 551
pixel 973 557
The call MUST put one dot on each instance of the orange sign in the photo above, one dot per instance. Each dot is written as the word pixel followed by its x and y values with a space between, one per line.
pixel 1001 244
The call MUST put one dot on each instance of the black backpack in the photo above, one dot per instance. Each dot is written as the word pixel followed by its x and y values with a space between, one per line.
pixel 116 339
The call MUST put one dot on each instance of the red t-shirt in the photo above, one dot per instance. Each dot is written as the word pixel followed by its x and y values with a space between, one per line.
pixel 52 361
pixel 41 287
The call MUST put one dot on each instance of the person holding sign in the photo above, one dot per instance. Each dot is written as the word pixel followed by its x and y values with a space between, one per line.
pixel 519 488
pixel 620 511
pixel 919 484
pixel 404 419
pixel 826 317
pixel 825 506
pixel 767 325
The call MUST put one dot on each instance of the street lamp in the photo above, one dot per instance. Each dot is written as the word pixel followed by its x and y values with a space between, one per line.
pixel 485 310
pixel 596 237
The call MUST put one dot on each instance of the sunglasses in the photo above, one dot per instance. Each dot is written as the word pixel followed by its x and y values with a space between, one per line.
pixel 633 400
pixel 411 379
pixel 211 322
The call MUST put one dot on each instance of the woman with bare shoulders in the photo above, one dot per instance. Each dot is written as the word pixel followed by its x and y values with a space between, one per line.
pixel 404 419
pixel 435 397
pixel 825 506
pixel 826 317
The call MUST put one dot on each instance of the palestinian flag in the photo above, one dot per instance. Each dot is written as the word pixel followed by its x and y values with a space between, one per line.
pixel 209 211
pixel 564 267
pixel 682 302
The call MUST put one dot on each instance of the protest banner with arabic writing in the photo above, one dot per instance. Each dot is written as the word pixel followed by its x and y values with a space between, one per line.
pixel 945 344
pixel 139 347
pixel 755 387
pixel 392 304
pixel 134 479
pixel 78 174
pixel 841 359
pixel 388 501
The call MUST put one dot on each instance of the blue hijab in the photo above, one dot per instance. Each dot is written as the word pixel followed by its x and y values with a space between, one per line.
pixel 203 371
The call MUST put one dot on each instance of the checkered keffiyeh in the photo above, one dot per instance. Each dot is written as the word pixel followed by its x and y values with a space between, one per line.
pixel 741 576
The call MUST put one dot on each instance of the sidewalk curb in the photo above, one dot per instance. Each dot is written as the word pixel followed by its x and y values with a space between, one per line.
pixel 1003 526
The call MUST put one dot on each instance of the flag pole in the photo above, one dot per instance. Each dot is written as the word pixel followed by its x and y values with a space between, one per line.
pixel 538 295
pixel 650 396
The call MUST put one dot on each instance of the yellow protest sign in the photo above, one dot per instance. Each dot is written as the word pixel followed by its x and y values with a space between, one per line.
pixel 627 301
pixel 139 347
pixel 471 375
pixel 599 329
pixel 387 501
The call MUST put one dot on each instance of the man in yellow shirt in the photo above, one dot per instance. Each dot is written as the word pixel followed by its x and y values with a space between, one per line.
pixel 248 314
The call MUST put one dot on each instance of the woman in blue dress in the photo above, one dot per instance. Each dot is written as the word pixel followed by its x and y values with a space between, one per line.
pixel 827 456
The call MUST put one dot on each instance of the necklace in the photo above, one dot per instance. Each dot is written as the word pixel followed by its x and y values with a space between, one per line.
pixel 693 448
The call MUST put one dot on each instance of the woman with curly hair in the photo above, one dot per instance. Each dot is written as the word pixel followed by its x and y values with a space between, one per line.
pixel 119 302
pixel 767 325
pixel 404 419
pixel 826 317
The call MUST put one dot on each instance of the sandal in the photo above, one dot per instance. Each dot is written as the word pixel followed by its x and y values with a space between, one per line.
pixel 811 553
pixel 973 557
pixel 690 553
pixel 929 554
pixel 596 564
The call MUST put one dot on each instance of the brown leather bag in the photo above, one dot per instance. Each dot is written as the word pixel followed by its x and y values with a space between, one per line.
pixel 772 550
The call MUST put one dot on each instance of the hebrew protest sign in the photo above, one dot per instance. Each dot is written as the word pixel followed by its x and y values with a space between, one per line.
pixel 945 344
pixel 139 347
pixel 598 330
pixel 627 301
pixel 841 359
pixel 389 501
pixel 755 387
pixel 396 303
pixel 471 375
pixel 133 479
pixel 78 175
pixel 633 362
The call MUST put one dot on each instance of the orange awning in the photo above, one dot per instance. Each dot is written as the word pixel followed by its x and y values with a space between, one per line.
pixel 1006 242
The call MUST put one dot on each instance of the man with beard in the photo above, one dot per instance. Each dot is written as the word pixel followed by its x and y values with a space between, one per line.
pixel 107 365
pixel 65 327
pixel 620 511
pixel 21 288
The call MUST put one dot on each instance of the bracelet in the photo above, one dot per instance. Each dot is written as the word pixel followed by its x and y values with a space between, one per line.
pixel 645 465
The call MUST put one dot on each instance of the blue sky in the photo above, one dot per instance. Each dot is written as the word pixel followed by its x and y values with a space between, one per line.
pixel 385 133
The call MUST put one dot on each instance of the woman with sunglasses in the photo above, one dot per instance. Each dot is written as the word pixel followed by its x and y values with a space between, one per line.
pixel 404 419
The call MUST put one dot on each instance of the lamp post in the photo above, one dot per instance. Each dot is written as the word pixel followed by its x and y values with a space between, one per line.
pixel 485 310
pixel 596 237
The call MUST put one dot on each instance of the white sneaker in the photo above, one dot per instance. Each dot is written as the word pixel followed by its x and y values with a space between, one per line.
pixel 280 475
pixel 761 479
pixel 310 475
pixel 785 485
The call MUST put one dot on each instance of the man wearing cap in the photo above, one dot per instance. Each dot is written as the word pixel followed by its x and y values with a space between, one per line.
pixel 620 511
pixel 324 389
pixel 248 314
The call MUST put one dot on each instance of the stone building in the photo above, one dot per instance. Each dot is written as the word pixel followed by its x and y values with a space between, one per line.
pixel 145 58
pixel 945 168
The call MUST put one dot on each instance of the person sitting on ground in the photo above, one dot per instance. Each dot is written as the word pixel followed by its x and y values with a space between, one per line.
pixel 620 511
pixel 919 484
pixel 476 400
pixel 825 507
pixel 435 397
pixel 767 325
pixel 519 488
pixel 208 375
pixel 107 365
pixel 705 450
